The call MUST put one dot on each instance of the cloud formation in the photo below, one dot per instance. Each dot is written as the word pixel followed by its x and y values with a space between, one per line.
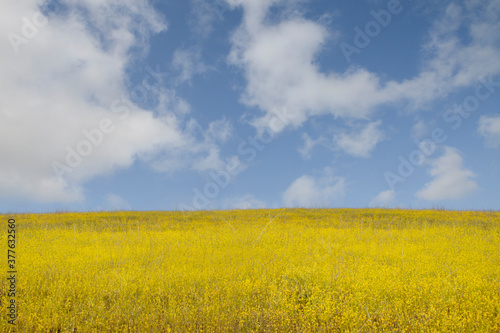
pixel 247 201
pixel 113 201
pixel 383 199
pixel 310 191
pixel 278 57
pixel 188 63
pixel 451 180
pixel 67 110
pixel 360 143
pixel 489 129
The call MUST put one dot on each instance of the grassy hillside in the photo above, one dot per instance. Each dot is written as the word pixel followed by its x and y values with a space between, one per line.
pixel 290 270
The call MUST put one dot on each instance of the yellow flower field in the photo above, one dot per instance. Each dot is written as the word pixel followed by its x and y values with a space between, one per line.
pixel 283 270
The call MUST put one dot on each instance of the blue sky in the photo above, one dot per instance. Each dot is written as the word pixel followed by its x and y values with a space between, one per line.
pixel 216 104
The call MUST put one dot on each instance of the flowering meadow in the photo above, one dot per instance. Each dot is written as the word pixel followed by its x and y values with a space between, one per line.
pixel 279 270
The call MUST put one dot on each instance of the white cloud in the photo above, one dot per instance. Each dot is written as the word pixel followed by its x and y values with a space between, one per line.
pixel 280 69
pixel 201 150
pixel 219 130
pixel 279 61
pixel 308 145
pixel 419 130
pixel 360 144
pixel 358 141
pixel 489 129
pixel 247 201
pixel 206 13
pixel 188 63
pixel 451 64
pixel 451 179
pixel 383 199
pixel 211 162
pixel 309 191
pixel 113 201
pixel 67 77
pixel 64 80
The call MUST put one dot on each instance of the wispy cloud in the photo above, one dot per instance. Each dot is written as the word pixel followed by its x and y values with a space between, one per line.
pixel 188 63
pixel 305 150
pixel 360 143
pixel 247 201
pixel 384 199
pixel 113 201
pixel 489 129
pixel 206 13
